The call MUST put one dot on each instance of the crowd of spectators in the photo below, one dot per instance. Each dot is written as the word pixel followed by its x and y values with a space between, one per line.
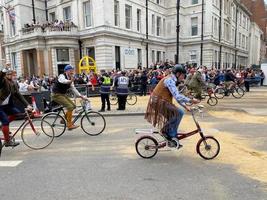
pixel 57 25
pixel 142 80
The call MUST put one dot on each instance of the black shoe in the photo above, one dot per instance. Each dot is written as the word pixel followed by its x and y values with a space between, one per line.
pixel 108 109
pixel 11 144
pixel 101 110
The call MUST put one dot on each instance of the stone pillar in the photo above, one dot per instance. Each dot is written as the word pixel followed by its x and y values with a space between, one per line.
pixel 50 63
pixel 24 66
pixel 40 61
pixel 76 59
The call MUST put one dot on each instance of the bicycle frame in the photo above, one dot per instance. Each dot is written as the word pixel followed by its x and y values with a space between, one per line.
pixel 27 119
pixel 183 135
pixel 76 117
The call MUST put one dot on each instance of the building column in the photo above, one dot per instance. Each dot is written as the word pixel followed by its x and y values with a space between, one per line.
pixel 40 61
pixel 50 63
pixel 77 59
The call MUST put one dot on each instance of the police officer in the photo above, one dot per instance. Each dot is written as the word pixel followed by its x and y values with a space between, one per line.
pixel 122 89
pixel 105 82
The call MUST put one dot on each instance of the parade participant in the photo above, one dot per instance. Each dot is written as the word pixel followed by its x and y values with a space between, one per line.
pixel 229 79
pixel 9 91
pixel 161 111
pixel 197 83
pixel 63 84
pixel 122 84
pixel 105 82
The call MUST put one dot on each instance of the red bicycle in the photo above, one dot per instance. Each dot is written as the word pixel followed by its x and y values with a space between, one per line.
pixel 33 134
pixel 148 145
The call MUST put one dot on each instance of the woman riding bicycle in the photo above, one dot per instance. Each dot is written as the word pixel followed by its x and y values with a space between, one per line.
pixel 161 112
pixel 63 84
pixel 8 92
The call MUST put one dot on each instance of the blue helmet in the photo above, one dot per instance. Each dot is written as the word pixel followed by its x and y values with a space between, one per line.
pixel 68 67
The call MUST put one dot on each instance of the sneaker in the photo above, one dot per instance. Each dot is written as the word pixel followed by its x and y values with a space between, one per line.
pixel 11 143
pixel 174 143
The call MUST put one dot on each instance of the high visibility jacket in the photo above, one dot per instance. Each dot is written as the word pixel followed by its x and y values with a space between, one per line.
pixel 105 87
pixel 123 86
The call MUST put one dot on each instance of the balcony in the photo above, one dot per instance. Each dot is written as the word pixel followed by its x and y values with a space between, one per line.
pixel 32 32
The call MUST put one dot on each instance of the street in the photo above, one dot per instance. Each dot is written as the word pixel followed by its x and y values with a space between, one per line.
pixel 78 166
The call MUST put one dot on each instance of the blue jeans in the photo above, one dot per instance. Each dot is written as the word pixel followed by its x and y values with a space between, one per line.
pixel 174 123
pixel 6 111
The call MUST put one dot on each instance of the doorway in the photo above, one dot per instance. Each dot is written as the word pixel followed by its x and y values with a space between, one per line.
pixel 118 57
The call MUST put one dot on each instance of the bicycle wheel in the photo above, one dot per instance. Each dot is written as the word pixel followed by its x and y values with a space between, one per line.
pixel 113 99
pixel 219 93
pixel 212 101
pixel 36 136
pixel 208 147
pixel 131 99
pixel 57 122
pixel 146 147
pixel 93 123
pixel 238 92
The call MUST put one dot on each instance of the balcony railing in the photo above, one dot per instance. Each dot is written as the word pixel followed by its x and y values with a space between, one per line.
pixel 49 29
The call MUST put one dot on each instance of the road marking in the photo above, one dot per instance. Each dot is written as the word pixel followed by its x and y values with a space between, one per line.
pixel 13 163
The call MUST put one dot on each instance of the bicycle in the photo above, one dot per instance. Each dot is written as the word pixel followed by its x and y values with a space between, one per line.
pixel 92 122
pixel 131 99
pixel 148 145
pixel 236 91
pixel 33 135
pixel 212 101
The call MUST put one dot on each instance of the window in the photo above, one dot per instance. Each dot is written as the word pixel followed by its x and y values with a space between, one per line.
pixel 12 19
pixel 216 26
pixel 14 61
pixel 138 20
pixel 62 55
pixel 52 16
pixel 67 13
pixel 128 16
pixel 153 25
pixel 194 26
pixel 158 56
pixel 87 13
pixel 116 13
pixel 158 26
pixel 91 53
pixel 194 2
pixel 153 56
pixel 164 27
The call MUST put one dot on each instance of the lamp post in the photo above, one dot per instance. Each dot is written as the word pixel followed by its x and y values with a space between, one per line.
pixel 146 33
pixel 46 11
pixel 33 12
pixel 202 34
pixel 220 36
pixel 178 31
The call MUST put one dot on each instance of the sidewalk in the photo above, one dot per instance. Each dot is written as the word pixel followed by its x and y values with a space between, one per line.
pixel 254 102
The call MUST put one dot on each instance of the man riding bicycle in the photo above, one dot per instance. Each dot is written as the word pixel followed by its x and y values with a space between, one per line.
pixel 63 84
pixel 8 110
pixel 229 79
pixel 161 112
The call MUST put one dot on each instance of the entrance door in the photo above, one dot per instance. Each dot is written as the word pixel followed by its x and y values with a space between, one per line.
pixel 60 68
pixel 118 57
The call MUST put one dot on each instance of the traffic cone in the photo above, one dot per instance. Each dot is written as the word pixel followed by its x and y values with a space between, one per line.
pixel 35 112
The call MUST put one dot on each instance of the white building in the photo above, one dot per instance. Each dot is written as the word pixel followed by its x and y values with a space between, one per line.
pixel 114 33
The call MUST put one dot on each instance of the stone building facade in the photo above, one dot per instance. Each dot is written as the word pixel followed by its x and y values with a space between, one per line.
pixel 114 33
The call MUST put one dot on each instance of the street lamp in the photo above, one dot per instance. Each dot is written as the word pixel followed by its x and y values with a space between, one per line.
pixel 202 34
pixel 146 33
pixel 178 31
pixel 33 12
